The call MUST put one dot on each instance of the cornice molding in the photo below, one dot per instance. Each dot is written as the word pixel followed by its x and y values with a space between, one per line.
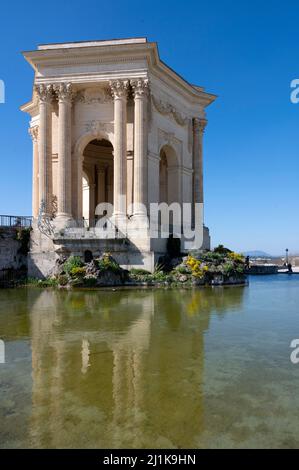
pixel 118 54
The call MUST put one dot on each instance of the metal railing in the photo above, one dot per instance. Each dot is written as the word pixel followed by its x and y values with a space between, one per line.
pixel 99 228
pixel 15 221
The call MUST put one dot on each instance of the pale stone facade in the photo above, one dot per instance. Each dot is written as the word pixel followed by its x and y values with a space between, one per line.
pixel 110 119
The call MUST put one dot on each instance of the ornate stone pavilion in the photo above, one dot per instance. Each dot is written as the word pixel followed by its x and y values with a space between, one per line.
pixel 110 122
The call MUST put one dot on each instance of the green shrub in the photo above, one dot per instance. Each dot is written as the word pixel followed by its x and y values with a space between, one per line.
pixel 23 236
pixel 198 269
pixel 240 268
pixel 139 272
pixel 222 250
pixel 228 268
pixel 108 263
pixel 31 281
pixel 158 268
pixel 78 271
pixel 63 280
pixel 73 262
pixel 236 257
pixel 159 276
pixel 51 282
pixel 182 269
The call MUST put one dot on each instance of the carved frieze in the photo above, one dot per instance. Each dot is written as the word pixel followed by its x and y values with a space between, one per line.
pixel 167 109
pixel 96 127
pixel 94 96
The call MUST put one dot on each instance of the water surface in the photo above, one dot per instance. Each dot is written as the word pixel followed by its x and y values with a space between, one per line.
pixel 206 368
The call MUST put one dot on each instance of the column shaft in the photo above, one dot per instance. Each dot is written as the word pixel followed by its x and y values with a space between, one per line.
pixel 79 161
pixel 64 196
pixel 198 130
pixel 92 203
pixel 45 93
pixel 120 89
pixel 140 88
pixel 101 185
pixel 35 172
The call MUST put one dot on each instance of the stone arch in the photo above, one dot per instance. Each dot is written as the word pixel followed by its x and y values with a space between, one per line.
pixel 87 137
pixel 88 256
pixel 169 175
pixel 90 178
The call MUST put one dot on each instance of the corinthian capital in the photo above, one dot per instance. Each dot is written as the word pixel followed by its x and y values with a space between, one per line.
pixel 199 124
pixel 140 87
pixel 33 132
pixel 119 88
pixel 64 91
pixel 44 92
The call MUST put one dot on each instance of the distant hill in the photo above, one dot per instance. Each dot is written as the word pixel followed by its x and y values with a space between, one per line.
pixel 257 254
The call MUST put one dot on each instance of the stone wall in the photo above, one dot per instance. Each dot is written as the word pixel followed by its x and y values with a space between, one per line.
pixel 12 257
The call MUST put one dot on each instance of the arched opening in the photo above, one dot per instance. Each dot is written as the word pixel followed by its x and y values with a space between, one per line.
pixel 97 181
pixel 169 190
pixel 88 256
pixel 169 187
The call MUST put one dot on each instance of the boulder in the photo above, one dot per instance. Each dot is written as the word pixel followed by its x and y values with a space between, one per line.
pixel 59 266
pixel 109 278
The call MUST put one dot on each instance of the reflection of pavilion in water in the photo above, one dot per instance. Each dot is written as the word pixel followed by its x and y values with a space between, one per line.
pixel 120 369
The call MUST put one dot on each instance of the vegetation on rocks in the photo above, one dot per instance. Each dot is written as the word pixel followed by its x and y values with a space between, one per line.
pixel 104 271
pixel 218 267
pixel 51 282
pixel 107 263
pixel 72 263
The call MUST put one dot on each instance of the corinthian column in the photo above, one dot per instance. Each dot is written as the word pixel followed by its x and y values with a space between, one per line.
pixel 198 131
pixel 33 131
pixel 119 90
pixel 64 195
pixel 45 94
pixel 140 89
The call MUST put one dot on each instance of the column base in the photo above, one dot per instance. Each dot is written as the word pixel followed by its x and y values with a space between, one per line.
pixel 63 220
pixel 139 226
pixel 120 221
pixel 140 218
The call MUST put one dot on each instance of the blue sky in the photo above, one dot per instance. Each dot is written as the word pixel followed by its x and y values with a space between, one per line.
pixel 245 52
